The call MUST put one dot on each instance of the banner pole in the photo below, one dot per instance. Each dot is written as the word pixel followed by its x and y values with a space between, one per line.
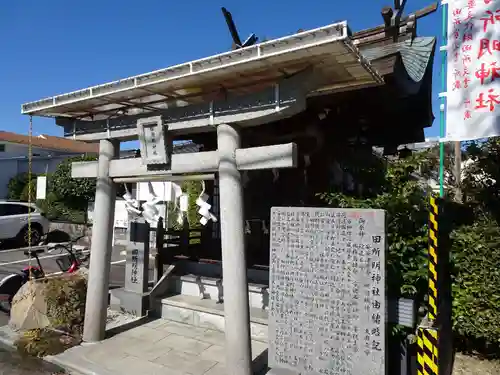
pixel 442 106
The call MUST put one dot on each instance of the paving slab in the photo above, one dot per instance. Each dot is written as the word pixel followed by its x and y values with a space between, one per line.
pixel 157 346
pixel 150 347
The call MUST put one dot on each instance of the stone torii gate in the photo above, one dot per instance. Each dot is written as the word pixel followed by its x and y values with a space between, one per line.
pixel 229 160
pixel 177 101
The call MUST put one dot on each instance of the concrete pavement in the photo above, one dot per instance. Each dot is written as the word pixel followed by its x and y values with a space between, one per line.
pixel 156 347
pixel 11 363
pixel 149 346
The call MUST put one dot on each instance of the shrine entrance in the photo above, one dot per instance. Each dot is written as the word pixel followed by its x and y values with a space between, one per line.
pixel 247 106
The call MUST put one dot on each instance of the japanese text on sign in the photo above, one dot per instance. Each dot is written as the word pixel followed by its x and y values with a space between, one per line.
pixel 327 291
pixel 135 261
pixel 473 93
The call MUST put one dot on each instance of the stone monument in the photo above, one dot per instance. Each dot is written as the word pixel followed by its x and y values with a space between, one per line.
pixel 327 291
pixel 134 296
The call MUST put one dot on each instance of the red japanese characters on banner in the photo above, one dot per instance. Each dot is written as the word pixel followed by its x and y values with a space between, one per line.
pixel 488 101
pixel 490 18
pixel 468 109
pixel 491 72
pixel 462 48
pixel 473 69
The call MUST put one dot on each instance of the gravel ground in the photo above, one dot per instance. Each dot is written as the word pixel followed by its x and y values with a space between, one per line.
pixel 11 363
pixel 116 319
pixel 469 365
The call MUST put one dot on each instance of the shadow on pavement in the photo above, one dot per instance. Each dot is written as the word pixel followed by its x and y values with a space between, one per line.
pixel 8 245
pixel 12 363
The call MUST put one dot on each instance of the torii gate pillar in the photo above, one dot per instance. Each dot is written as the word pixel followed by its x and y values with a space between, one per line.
pixel 94 328
pixel 234 269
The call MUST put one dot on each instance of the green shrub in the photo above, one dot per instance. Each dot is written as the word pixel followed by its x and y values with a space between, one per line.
pixel 65 298
pixel 74 192
pixel 50 205
pixel 476 286
pixel 193 189
pixel 25 194
pixel 43 342
pixel 17 185
pixel 405 203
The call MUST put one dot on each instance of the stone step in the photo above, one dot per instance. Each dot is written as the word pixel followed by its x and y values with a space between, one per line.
pixel 207 313
pixel 211 288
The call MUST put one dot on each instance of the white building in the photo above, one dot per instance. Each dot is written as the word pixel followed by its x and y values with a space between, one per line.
pixel 47 151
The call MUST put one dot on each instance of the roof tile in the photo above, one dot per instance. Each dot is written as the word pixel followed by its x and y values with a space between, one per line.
pixel 50 142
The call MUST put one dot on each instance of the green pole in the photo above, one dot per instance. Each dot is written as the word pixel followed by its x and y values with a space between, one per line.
pixel 442 103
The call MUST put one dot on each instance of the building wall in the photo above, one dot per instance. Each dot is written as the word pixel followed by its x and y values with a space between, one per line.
pixel 8 150
pixel 9 169
pixel 13 165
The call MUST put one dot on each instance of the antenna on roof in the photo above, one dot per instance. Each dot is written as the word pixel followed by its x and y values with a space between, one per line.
pixel 252 39
pixel 399 7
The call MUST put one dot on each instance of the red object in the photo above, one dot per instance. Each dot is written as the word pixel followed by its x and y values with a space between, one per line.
pixel 483 72
pixel 489 103
pixel 491 18
pixel 73 268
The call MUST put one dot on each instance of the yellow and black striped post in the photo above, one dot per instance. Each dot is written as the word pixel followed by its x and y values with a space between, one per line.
pixel 433 259
pixel 427 357
pixel 428 336
pixel 434 335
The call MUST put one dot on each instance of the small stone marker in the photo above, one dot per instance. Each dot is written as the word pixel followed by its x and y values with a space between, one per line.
pixel 327 291
pixel 133 299
pixel 137 266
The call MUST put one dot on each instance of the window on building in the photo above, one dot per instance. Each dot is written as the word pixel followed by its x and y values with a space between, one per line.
pixel 2 148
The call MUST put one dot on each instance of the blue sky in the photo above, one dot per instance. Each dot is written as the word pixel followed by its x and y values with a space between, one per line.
pixel 51 47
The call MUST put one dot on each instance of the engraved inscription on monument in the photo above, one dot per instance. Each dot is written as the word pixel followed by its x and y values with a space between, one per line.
pixel 327 291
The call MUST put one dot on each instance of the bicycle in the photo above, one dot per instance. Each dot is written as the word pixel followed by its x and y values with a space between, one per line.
pixel 69 261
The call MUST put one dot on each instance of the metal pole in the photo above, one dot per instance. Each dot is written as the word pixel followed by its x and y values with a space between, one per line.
pixel 442 124
pixel 234 269
pixel 101 248
pixel 429 341
pixel 458 171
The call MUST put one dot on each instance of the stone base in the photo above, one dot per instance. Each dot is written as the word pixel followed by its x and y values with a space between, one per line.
pixel 257 276
pixel 211 288
pixel 133 303
pixel 208 314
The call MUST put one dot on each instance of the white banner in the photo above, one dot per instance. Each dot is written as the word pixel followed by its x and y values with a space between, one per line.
pixel 41 187
pixel 473 90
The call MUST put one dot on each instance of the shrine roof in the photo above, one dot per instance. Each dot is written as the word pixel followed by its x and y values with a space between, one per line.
pixel 397 51
pixel 328 49
pixel 388 65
